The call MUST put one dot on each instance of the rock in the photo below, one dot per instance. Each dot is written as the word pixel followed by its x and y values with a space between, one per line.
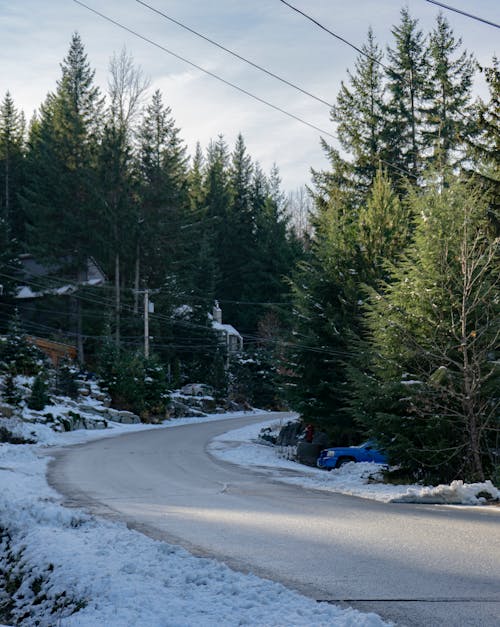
pixel 71 421
pixel 308 453
pixel 123 417
pixel 208 405
pixel 115 415
pixel 7 411
pixel 100 396
pixel 179 409
pixel 237 405
pixel 289 434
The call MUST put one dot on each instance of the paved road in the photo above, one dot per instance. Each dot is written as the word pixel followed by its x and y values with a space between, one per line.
pixel 417 565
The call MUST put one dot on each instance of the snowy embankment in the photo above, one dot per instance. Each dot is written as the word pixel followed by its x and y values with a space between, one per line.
pixel 64 567
pixel 356 479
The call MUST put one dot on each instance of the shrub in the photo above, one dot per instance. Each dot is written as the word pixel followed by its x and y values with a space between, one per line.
pixel 39 393
pixel 16 352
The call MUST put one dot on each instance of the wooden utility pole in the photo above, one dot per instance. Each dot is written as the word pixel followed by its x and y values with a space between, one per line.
pixel 146 324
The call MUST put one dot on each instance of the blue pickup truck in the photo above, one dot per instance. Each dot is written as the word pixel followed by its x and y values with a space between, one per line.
pixel 335 457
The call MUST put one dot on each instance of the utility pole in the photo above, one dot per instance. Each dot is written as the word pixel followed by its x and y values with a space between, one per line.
pixel 146 324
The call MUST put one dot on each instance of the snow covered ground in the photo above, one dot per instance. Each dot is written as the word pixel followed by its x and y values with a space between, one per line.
pixel 67 568
pixel 357 479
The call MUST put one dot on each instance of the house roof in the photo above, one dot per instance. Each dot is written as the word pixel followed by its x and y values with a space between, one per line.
pixel 68 281
pixel 225 328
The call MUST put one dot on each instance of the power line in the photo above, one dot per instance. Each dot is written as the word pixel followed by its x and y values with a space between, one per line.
pixel 240 89
pixel 368 56
pixel 234 54
pixel 249 338
pixel 124 308
pixel 339 37
pixel 205 71
pixel 378 62
pixel 474 17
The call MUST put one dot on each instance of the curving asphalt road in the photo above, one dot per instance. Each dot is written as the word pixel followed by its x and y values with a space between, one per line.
pixel 417 565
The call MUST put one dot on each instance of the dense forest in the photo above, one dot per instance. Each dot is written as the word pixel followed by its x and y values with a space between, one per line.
pixel 377 315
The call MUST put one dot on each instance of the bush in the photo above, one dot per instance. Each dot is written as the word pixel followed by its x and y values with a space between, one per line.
pixel 254 378
pixel 8 437
pixel 133 382
pixel 16 352
pixel 11 393
pixel 39 393
pixel 66 376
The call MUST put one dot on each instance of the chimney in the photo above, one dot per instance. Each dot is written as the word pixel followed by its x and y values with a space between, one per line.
pixel 217 312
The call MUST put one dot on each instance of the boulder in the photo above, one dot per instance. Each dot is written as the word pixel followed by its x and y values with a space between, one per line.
pixel 7 411
pixel 308 453
pixel 123 417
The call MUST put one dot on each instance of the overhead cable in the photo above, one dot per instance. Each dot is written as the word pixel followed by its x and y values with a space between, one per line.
pixel 339 37
pixel 205 71
pixel 234 54
pixel 378 62
pixel 473 17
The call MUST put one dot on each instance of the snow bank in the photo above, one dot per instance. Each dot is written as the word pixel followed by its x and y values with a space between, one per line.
pixel 457 493
pixel 364 479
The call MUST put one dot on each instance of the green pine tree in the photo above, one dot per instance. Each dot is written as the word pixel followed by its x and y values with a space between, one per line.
pixel 237 235
pixel 17 352
pixel 219 376
pixel 428 387
pixel 66 379
pixel 484 147
pixel 214 219
pixel 325 297
pixel 163 173
pixel 11 392
pixel 448 95
pixel 407 70
pixel 39 396
pixel 359 114
pixel 61 195
pixel 384 226
pixel 12 166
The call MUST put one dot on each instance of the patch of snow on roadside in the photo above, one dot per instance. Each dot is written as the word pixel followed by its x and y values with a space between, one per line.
pixel 457 493
pixel 364 479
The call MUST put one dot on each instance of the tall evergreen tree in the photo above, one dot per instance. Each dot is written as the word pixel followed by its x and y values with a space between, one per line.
pixel 448 95
pixel 359 114
pixel 429 392
pixel 60 195
pixel 485 146
pixel 196 183
pixel 276 252
pixel 236 261
pixel 12 147
pixel 384 226
pixel 164 193
pixel 12 129
pixel 216 217
pixel 403 112
pixel 325 299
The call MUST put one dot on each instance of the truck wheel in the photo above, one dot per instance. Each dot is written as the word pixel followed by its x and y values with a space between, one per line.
pixel 344 460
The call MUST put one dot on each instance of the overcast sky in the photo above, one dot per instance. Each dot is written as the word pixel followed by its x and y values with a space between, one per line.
pixel 35 35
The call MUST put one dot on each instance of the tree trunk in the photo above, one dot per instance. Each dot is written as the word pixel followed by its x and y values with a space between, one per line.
pixel 117 299
pixel 79 334
pixel 137 278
